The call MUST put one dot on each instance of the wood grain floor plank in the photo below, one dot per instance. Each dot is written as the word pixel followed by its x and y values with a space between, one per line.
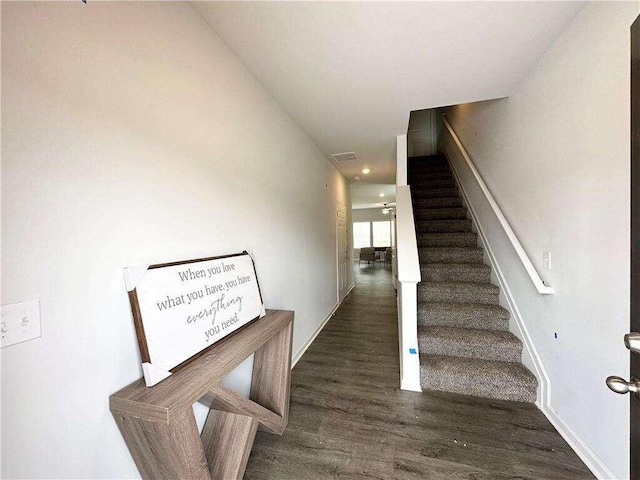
pixel 349 420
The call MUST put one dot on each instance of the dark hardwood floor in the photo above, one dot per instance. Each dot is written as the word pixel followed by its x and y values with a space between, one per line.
pixel 349 420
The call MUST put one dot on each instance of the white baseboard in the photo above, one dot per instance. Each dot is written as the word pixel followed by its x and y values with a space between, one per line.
pixel 298 355
pixel 349 291
pixel 588 456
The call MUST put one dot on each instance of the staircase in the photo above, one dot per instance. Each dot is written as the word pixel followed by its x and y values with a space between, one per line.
pixel 463 333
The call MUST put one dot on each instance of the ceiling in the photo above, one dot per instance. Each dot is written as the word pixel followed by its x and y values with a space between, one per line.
pixel 349 73
pixel 367 195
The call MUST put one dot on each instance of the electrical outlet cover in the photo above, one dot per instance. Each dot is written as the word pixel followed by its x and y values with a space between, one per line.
pixel 20 322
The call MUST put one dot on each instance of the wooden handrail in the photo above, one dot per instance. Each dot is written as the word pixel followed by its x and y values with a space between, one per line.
pixel 542 288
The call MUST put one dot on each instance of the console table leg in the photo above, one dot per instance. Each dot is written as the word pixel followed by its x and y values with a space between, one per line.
pixel 227 439
pixel 271 379
pixel 168 451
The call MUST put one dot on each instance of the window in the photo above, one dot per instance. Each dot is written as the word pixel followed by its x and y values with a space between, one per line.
pixel 381 234
pixel 361 234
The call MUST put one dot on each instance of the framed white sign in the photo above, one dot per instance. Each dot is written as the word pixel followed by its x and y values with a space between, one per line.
pixel 181 309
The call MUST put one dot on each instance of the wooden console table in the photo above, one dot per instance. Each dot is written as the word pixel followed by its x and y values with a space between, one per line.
pixel 160 429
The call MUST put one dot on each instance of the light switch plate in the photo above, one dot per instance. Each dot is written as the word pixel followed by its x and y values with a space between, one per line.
pixel 546 260
pixel 20 322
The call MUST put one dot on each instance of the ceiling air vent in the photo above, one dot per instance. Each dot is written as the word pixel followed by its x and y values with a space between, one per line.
pixel 344 157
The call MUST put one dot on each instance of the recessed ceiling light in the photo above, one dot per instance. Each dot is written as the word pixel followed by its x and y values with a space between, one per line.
pixel 382 194
pixel 356 178
pixel 365 170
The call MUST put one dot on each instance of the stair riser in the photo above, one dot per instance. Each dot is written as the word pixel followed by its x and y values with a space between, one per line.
pixel 441 214
pixel 431 168
pixel 426 203
pixel 431 184
pixel 428 294
pixel 432 319
pixel 479 387
pixel 503 353
pixel 447 240
pixel 430 174
pixel 437 255
pixel 455 275
pixel 435 193
pixel 451 226
pixel 437 175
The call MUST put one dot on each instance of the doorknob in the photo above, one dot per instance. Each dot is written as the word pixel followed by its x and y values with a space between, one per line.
pixel 620 385
pixel 632 341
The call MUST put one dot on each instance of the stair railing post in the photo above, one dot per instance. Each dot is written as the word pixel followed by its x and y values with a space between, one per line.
pixel 408 271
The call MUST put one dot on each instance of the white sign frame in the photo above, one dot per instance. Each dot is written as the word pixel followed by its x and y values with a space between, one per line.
pixel 181 309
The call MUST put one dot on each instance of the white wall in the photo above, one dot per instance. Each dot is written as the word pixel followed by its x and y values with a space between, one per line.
pixel 555 155
pixel 370 215
pixel 131 135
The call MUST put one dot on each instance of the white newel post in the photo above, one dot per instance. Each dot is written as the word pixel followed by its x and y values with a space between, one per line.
pixel 408 270
pixel 408 329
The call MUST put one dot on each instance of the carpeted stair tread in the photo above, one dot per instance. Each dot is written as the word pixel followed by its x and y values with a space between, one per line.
pixel 481 378
pixel 463 315
pixel 449 239
pixel 455 272
pixel 444 202
pixel 471 343
pixel 434 167
pixel 434 193
pixel 441 214
pixel 463 332
pixel 425 162
pixel 431 184
pixel 416 177
pixel 443 226
pixel 458 292
pixel 423 173
pixel 450 254
pixel 418 163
